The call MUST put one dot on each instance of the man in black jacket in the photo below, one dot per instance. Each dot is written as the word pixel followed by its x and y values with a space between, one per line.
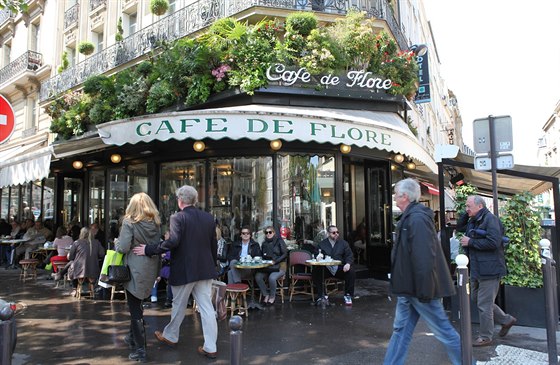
pixel 193 246
pixel 483 244
pixel 337 249
pixel 419 277
pixel 246 247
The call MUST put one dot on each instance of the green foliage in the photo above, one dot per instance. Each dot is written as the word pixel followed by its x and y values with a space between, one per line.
pixel 301 23
pixel 234 54
pixel 15 6
pixel 461 194
pixel 159 7
pixel 522 225
pixel 119 35
pixel 69 114
pixel 63 62
pixel 86 47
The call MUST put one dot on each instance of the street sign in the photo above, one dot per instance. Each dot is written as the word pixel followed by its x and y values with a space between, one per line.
pixel 503 162
pixel 503 137
pixel 7 120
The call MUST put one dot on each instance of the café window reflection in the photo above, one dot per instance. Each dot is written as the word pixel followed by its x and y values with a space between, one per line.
pixel 306 197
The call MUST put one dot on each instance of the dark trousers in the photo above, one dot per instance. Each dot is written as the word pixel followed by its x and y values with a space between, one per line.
pixel 349 278
pixel 134 306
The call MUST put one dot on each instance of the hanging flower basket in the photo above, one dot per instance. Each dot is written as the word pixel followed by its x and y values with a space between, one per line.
pixel 159 7
pixel 86 48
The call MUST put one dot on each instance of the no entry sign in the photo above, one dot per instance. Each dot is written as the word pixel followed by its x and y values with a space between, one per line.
pixel 7 120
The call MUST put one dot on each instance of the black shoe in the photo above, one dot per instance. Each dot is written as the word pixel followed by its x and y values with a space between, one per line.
pixel 139 338
pixel 167 305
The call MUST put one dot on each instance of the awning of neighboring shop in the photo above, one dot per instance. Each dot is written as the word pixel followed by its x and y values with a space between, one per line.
pixel 88 142
pixel 24 163
pixel 381 130
pixel 431 188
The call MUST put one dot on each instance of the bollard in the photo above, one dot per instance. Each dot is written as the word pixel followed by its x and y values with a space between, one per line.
pixel 550 301
pixel 235 337
pixel 464 308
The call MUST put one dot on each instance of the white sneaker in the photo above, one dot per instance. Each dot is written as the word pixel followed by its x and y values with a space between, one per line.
pixel 154 299
pixel 348 300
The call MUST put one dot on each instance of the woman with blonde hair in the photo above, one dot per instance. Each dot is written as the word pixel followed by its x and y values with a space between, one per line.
pixel 85 254
pixel 140 226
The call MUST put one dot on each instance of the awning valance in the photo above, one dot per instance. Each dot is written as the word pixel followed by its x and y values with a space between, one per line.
pixel 431 188
pixel 381 130
pixel 28 163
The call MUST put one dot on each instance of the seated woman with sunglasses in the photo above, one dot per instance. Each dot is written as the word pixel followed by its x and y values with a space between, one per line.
pixel 273 248
pixel 239 249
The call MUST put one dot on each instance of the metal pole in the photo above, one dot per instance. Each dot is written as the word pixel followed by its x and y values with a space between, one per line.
pixel 235 337
pixel 464 308
pixel 493 158
pixel 550 302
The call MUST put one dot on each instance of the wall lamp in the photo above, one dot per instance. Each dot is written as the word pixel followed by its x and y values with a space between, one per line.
pixel 410 165
pixel 77 164
pixel 116 158
pixel 344 148
pixel 419 49
pixel 199 146
pixel 276 144
pixel 398 158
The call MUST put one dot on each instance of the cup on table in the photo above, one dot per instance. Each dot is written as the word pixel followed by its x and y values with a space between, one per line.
pixel 257 259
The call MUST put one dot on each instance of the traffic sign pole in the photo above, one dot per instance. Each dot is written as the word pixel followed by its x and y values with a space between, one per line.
pixel 493 160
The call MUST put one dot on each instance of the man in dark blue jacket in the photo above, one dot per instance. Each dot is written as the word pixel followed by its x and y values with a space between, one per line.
pixel 483 244
pixel 193 245
pixel 419 278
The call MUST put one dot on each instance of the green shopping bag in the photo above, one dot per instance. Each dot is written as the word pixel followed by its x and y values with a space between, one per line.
pixel 111 258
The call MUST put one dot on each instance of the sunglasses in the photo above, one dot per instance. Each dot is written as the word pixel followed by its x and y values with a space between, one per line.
pixel 335 232
pixel 269 232
pixel 245 233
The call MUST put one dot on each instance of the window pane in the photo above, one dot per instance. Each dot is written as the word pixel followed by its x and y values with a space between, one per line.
pixel 306 197
pixel 117 200
pixel 14 203
pixel 27 212
pixel 137 180
pixel 71 211
pixel 36 201
pixel 48 199
pixel 96 198
pixel 173 176
pixel 4 211
pixel 241 195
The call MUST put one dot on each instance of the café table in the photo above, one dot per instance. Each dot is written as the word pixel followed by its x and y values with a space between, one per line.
pixel 324 263
pixel 253 265
pixel 16 243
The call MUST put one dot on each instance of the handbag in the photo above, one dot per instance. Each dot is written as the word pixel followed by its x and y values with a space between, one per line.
pixel 117 273
pixel 219 299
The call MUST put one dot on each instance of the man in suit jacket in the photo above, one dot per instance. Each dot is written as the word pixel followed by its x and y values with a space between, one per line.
pixel 193 245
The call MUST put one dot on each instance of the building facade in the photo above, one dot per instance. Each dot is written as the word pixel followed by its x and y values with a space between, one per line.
pixel 297 158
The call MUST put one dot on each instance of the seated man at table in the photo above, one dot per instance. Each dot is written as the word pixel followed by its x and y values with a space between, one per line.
pixel 239 249
pixel 35 236
pixel 337 249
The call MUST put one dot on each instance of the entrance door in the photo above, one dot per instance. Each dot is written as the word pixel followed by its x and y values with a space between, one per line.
pixel 367 213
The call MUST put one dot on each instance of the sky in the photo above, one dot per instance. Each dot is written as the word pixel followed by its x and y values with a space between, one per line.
pixel 501 57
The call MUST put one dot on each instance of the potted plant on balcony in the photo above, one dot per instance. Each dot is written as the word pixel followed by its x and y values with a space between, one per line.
pixel 524 295
pixel 86 48
pixel 159 7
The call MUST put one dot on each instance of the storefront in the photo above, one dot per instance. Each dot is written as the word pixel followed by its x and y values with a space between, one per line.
pixel 273 158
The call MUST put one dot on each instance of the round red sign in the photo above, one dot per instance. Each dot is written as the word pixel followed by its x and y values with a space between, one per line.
pixel 7 120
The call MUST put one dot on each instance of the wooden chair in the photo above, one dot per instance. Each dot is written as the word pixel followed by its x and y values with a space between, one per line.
pixel 332 285
pixel 279 288
pixel 59 266
pixel 80 285
pixel 237 298
pixel 28 269
pixel 117 289
pixel 300 273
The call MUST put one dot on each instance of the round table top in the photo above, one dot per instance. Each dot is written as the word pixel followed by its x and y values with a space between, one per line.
pixel 314 262
pixel 253 265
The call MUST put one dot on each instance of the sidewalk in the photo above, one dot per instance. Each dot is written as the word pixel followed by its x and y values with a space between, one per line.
pixel 55 328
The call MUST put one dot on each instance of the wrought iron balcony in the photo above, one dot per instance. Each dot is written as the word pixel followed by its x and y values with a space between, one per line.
pixel 71 16
pixel 5 14
pixel 29 61
pixel 193 18
pixel 94 4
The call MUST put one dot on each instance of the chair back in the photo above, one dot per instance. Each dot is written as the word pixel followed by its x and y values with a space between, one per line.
pixel 298 257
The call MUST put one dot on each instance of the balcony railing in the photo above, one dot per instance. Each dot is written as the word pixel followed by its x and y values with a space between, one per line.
pixel 193 18
pixel 28 61
pixel 94 4
pixel 5 14
pixel 71 15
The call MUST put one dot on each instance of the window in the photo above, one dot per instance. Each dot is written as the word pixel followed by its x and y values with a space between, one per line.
pixel 4 203
pixel 132 24
pixel 72 203
pixel 35 39
pixel 32 108
pixel 96 209
pixel 98 41
pixel 71 55
pixel 48 199
pixel 305 196
pixel 172 6
pixel 7 50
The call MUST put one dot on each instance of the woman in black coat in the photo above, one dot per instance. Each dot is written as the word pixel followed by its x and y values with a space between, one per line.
pixel 273 248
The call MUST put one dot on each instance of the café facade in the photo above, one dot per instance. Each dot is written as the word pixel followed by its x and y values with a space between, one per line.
pixel 292 155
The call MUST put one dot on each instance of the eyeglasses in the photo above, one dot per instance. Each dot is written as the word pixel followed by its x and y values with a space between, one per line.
pixel 334 232
pixel 269 232
pixel 245 233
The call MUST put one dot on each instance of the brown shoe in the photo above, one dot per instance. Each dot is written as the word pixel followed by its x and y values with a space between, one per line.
pixel 210 355
pixel 164 340
pixel 482 342
pixel 505 328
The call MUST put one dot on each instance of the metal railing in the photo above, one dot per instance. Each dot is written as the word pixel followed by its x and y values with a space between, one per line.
pixel 94 4
pixel 193 18
pixel 29 61
pixel 71 15
pixel 5 14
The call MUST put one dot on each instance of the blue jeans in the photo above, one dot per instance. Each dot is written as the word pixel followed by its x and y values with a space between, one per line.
pixel 407 313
